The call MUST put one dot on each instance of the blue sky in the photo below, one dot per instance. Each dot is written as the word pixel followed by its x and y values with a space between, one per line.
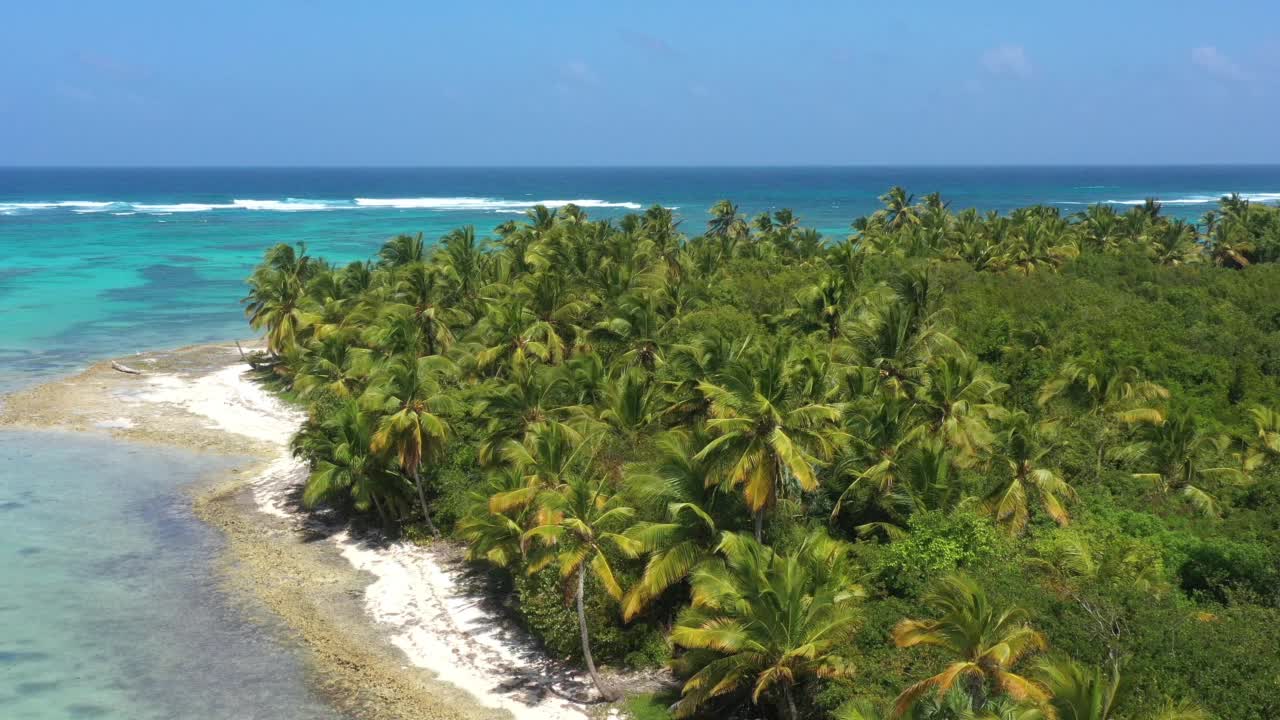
pixel 621 83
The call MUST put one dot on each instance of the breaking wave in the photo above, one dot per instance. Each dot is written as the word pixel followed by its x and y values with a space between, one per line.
pixel 441 204
pixel 1266 197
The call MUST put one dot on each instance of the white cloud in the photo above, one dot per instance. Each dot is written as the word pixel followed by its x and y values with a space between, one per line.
pixel 1213 61
pixel 1007 59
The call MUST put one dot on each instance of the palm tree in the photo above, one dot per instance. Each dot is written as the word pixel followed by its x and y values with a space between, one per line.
pixel 582 518
pixel 766 437
pixel 956 403
pixel 276 296
pixel 549 454
pixel 1084 693
pixel 1173 243
pixel 511 333
pixel 525 401
pixel 899 212
pixel 344 466
pixel 986 641
pixel 1115 392
pixel 402 250
pixel 927 480
pixel 464 259
pixel 879 434
pixel 494 537
pixel 704 355
pixel 421 288
pixel 1178 451
pixel 824 306
pixel 897 342
pixel 1107 388
pixel 630 403
pixel 409 396
pixel 727 228
pixel 1101 227
pixel 1024 445
pixel 333 365
pixel 1265 444
pixel 687 536
pixel 766 622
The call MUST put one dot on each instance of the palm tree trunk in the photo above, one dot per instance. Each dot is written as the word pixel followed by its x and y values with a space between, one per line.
pixel 759 521
pixel 977 692
pixel 791 703
pixel 422 498
pixel 382 514
pixel 605 692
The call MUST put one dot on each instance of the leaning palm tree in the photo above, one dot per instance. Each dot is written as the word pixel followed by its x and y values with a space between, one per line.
pixel 689 532
pixel 333 365
pixel 1024 444
pixel 583 518
pixel 986 641
pixel 410 398
pixel 1230 244
pixel 767 437
pixel 494 537
pixel 1085 693
pixel 345 468
pixel 765 623
pixel 275 302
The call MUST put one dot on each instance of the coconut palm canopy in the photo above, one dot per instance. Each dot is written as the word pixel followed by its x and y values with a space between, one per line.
pixel 748 451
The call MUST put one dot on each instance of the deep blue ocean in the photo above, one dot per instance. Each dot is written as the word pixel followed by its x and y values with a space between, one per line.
pixel 109 605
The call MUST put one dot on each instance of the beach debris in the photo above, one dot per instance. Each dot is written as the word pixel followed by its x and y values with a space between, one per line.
pixel 124 368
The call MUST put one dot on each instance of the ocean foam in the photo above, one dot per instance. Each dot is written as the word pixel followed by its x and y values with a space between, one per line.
pixel 482 203
pixel 291 204
pixel 179 207
pixel 440 204
pixel 1263 197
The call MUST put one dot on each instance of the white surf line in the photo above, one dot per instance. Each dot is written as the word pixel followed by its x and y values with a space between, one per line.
pixel 433 619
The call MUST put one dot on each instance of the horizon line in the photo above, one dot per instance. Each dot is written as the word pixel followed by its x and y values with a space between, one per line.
pixel 799 166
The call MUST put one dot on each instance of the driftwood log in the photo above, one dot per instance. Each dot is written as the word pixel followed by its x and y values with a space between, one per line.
pixel 124 368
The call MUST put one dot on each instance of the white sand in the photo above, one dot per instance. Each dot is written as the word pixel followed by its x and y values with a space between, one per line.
pixel 438 624
pixel 230 402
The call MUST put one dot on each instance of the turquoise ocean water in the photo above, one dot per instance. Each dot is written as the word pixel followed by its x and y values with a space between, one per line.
pixel 108 605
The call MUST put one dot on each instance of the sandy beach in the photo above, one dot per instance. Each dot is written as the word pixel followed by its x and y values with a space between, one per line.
pixel 392 629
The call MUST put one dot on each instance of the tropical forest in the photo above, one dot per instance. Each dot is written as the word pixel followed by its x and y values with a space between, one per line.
pixel 950 465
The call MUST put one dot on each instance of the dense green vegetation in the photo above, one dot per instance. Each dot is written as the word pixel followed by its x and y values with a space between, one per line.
pixel 952 466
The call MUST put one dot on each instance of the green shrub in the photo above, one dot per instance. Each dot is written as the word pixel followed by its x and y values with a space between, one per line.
pixel 937 544
pixel 552 616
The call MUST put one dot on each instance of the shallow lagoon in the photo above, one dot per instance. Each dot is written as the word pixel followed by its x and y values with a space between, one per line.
pixel 110 603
